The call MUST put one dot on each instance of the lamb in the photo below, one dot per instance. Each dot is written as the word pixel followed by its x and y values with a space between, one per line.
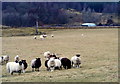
pixel 16 59
pixel 15 67
pixel 1 60
pixel 36 63
pixel 6 58
pixel 66 63
pixel 76 61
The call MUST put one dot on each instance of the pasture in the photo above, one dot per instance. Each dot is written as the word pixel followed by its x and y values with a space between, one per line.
pixel 98 49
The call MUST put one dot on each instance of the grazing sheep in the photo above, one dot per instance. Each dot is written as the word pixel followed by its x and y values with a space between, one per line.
pixel 35 37
pixel 52 35
pixel 36 63
pixel 42 37
pixel 47 54
pixel 6 58
pixel 25 64
pixel 15 67
pixel 53 64
pixel 66 63
pixel 1 60
pixel 17 58
pixel 76 61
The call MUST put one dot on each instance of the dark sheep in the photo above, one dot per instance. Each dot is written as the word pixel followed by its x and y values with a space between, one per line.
pixel 36 63
pixel 66 63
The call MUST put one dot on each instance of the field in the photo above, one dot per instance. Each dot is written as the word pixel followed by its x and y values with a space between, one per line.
pixel 98 49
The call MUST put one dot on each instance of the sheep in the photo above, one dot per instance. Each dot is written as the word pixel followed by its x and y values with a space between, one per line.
pixel 36 63
pixel 15 67
pixel 76 61
pixel 35 37
pixel 1 60
pixel 66 63
pixel 25 64
pixel 42 37
pixel 6 58
pixel 58 64
pixel 47 54
pixel 53 64
pixel 52 35
pixel 16 59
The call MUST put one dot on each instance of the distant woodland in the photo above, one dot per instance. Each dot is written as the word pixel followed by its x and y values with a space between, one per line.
pixel 25 14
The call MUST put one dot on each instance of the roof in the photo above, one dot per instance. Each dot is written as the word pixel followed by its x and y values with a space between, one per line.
pixel 89 24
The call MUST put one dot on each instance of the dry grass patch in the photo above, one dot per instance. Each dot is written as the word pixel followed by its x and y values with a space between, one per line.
pixel 98 48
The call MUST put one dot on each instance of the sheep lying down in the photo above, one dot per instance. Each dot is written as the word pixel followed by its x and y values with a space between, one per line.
pixel 15 67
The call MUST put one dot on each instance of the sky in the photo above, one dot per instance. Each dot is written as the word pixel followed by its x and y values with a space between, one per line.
pixel 60 0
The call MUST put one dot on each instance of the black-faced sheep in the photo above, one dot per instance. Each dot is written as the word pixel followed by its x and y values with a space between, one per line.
pixel 41 37
pixel 25 64
pixel 76 61
pixel 35 37
pixel 52 35
pixel 36 63
pixel 15 67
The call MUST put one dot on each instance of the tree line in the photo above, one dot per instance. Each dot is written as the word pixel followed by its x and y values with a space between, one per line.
pixel 24 14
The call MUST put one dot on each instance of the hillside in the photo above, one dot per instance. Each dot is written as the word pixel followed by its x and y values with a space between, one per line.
pixel 25 14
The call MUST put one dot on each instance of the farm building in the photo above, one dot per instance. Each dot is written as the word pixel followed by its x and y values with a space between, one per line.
pixel 89 24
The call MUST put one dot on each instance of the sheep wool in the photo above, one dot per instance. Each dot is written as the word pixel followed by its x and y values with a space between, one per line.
pixel 15 67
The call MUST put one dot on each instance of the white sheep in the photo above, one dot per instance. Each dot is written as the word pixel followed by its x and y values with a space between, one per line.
pixel 47 54
pixel 54 64
pixel 6 58
pixel 15 67
pixel 76 61
pixel 44 35
pixel 35 37
pixel 51 64
pixel 52 35
pixel 58 64
pixel 41 37
pixel 17 58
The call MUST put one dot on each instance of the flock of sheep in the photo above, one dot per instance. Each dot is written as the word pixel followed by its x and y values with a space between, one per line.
pixel 52 62
pixel 43 36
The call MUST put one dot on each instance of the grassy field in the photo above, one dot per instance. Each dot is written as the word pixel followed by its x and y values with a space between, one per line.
pixel 98 49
